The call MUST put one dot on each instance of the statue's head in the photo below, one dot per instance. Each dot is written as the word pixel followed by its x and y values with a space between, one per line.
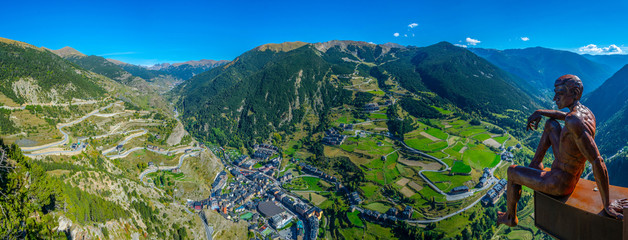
pixel 568 89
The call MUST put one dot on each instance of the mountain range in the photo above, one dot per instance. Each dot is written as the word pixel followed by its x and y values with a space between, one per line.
pixel 269 88
pixel 34 75
pixel 266 93
pixel 542 66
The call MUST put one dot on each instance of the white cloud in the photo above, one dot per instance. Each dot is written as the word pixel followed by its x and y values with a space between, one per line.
pixel 396 34
pixel 595 50
pixel 405 35
pixel 460 45
pixel 413 25
pixel 472 41
pixel 525 39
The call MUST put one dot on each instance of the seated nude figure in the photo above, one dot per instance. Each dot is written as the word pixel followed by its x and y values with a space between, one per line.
pixel 572 146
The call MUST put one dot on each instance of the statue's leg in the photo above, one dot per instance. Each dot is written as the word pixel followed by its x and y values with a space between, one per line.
pixel 517 176
pixel 550 138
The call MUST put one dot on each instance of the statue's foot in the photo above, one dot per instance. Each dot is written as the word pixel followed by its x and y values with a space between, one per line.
pixel 504 218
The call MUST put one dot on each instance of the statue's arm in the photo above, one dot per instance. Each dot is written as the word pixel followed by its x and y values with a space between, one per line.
pixel 555 114
pixel 586 144
pixel 535 118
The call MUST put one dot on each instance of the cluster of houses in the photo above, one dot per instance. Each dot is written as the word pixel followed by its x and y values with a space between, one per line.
pixel 76 146
pixel 507 154
pixel 371 107
pixel 264 151
pixel 391 216
pixel 346 126
pixel 220 181
pixel 286 177
pixel 486 175
pixel 316 172
pixel 354 198
pixel 333 137
pixel 493 195
pixel 235 193
pixel 312 214
pixel 154 148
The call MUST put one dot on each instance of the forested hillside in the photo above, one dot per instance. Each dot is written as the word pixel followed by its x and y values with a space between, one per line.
pixel 270 88
pixel 31 74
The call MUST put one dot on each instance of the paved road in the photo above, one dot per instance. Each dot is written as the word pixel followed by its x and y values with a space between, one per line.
pixel 65 135
pixel 168 168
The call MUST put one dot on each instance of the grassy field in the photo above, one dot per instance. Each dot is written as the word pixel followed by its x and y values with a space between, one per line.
pixel 390 170
pixel 460 167
pixel 355 219
pixel 442 111
pixel 315 198
pixel 425 144
pixel 519 234
pixel 436 133
pixel 304 183
pixel 470 132
pixel 501 139
pixel 369 189
pixel 378 206
pixel 479 157
pixel 378 116
pixel 445 182
pixel 481 137
pixel 428 193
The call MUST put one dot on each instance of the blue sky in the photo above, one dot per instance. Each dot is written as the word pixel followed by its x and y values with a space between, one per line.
pixel 149 32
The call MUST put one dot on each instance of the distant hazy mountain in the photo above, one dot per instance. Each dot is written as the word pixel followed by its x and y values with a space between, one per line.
pixel 189 69
pixel 35 75
pixel 610 97
pixel 609 103
pixel 95 64
pixel 613 62
pixel 542 66
pixel 270 87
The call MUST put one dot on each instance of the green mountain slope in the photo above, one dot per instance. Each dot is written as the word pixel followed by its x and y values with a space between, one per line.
pixel 542 66
pixel 31 74
pixel 609 103
pixel 469 81
pixel 610 97
pixel 102 66
pixel 270 88
pixel 613 133
pixel 258 93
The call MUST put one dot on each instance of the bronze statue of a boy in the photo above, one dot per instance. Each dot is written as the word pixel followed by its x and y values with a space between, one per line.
pixel 572 145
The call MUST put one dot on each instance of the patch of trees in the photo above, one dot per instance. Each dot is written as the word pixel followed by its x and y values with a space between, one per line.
pixel 362 98
pixel 403 230
pixel 419 109
pixel 396 125
pixel 6 125
pixel 85 207
pixel 381 78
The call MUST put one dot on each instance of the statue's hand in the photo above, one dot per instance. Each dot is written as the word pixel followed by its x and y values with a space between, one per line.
pixel 616 208
pixel 538 166
pixel 533 120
